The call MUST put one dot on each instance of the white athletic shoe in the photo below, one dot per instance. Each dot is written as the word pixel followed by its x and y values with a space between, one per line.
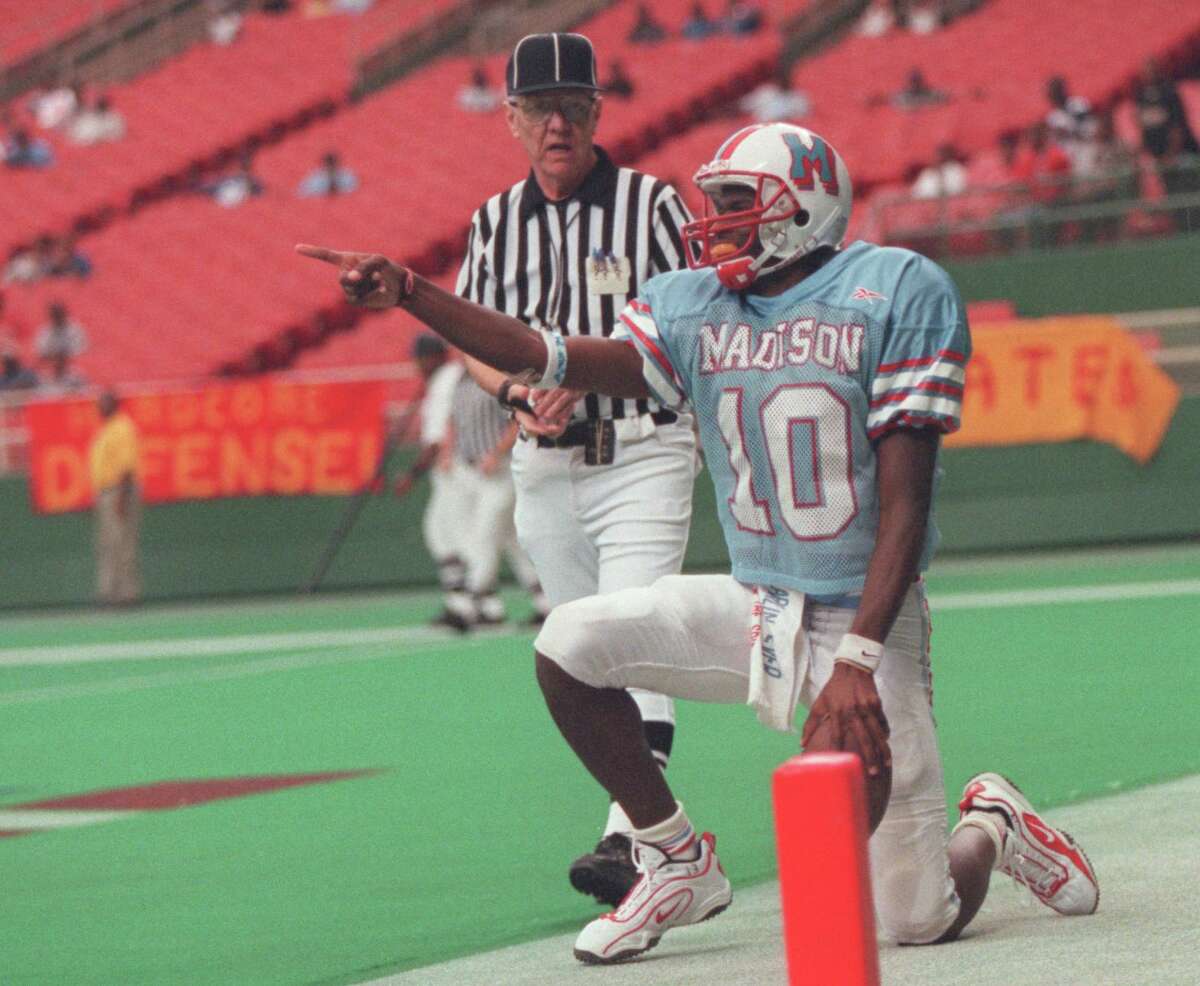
pixel 1037 855
pixel 666 895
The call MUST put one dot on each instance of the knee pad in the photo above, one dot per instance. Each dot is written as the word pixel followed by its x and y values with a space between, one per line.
pixel 574 639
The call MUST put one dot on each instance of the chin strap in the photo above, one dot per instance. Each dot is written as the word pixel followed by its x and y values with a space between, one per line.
pixel 739 274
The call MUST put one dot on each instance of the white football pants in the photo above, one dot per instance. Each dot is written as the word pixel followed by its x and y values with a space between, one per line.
pixel 689 636
pixel 489 530
pixel 449 497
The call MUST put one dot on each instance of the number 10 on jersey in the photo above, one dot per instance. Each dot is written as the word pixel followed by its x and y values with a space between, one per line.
pixel 805 431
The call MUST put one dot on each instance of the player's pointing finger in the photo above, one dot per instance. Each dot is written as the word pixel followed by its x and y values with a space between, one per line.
pixel 321 253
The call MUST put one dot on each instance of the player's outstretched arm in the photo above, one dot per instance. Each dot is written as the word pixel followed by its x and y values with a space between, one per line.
pixel 372 280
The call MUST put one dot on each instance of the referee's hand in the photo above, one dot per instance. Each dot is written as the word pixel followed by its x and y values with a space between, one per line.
pixel 551 409
pixel 367 279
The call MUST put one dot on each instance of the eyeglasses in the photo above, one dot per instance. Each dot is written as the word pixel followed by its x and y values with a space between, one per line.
pixel 538 108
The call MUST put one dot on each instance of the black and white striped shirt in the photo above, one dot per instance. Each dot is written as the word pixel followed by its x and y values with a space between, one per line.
pixel 479 422
pixel 527 256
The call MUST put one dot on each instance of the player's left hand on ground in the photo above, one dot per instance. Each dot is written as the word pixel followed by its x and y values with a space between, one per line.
pixel 850 708
pixel 367 279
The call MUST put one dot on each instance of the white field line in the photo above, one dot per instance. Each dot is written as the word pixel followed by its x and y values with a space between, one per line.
pixel 46 818
pixel 1056 595
pixel 195 676
pixel 256 643
pixel 412 635
pixel 345 647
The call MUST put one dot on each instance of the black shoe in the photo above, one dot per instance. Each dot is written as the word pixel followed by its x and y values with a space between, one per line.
pixel 607 873
pixel 453 621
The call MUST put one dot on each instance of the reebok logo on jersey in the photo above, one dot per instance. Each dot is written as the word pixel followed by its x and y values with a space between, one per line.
pixel 866 294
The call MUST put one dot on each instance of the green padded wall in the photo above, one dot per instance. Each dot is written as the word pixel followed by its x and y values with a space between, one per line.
pixel 991 499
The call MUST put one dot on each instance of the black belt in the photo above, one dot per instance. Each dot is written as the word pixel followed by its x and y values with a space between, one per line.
pixel 583 432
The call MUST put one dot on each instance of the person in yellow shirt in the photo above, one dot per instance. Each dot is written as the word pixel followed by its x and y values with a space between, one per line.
pixel 114 466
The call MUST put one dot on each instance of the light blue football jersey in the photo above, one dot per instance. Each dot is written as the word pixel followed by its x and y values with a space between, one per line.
pixel 792 391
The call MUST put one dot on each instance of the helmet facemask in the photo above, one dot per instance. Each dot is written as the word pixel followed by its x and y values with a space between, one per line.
pixel 770 225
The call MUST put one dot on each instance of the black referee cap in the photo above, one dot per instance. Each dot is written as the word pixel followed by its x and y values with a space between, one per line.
pixel 551 61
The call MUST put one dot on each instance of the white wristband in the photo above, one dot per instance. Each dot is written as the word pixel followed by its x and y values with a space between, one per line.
pixel 859 651
pixel 556 361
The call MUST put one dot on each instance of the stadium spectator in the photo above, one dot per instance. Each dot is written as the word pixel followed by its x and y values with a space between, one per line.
pixel 329 179
pixel 1105 172
pixel 14 374
pixel 618 83
pixel 742 18
pixel 776 100
pixel 1043 168
pixel 1161 115
pixel 224 22
pixel 60 335
pixel 232 190
pixel 97 123
pixel 1070 120
pixel 924 18
pixel 646 30
pixel 1168 138
pixel 113 458
pixel 478 96
pixel 23 151
pixel 917 92
pixel 1042 165
pixel 945 177
pixel 12 329
pixel 56 107
pixel 994 169
pixel 877 19
pixel 62 378
pixel 30 264
pixel 65 259
pixel 699 25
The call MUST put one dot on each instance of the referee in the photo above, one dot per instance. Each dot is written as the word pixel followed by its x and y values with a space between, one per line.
pixel 604 498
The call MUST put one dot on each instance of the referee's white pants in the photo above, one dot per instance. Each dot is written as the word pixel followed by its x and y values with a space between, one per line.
pixel 600 529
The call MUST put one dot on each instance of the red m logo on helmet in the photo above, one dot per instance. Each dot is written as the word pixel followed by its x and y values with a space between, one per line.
pixel 808 162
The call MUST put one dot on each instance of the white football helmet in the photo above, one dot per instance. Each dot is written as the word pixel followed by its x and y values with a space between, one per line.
pixel 802 202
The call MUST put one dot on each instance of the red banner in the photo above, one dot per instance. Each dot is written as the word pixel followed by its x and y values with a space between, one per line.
pixel 261 437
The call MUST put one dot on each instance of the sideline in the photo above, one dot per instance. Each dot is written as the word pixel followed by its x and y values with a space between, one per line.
pixel 411 636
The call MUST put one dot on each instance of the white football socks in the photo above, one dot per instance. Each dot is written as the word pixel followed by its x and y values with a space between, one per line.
pixel 676 837
pixel 991 824
pixel 618 821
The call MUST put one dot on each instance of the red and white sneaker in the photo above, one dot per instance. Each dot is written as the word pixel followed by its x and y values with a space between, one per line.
pixel 1042 858
pixel 668 893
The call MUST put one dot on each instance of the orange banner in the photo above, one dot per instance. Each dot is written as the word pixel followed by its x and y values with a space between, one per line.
pixel 239 439
pixel 1058 379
